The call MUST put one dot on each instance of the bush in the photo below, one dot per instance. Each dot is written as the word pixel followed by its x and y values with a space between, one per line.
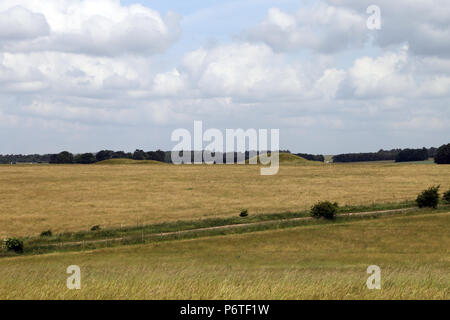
pixel 442 155
pixel 244 213
pixel 95 228
pixel 47 233
pixel 428 198
pixel 13 244
pixel 324 209
pixel 447 196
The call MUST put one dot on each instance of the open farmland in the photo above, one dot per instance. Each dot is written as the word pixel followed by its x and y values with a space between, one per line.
pixel 307 262
pixel 34 198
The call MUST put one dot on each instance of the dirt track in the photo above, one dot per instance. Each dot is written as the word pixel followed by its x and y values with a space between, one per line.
pixel 224 227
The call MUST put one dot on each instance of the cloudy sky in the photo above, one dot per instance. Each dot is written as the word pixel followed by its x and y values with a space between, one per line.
pixel 87 75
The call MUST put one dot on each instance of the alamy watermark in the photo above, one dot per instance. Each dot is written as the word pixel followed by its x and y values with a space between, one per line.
pixel 374 21
pixel 374 281
pixel 240 146
pixel 74 281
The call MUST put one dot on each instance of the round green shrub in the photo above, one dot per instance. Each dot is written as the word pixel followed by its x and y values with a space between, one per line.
pixel 95 228
pixel 13 244
pixel 244 213
pixel 47 233
pixel 324 209
pixel 447 196
pixel 428 198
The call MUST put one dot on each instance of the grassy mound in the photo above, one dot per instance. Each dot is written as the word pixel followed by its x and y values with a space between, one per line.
pixel 292 159
pixel 127 161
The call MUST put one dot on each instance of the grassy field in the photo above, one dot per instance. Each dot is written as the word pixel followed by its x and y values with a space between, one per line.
pixel 127 162
pixel 306 262
pixel 104 238
pixel 63 198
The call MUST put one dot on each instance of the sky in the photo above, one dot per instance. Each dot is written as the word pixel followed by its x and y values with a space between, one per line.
pixel 89 75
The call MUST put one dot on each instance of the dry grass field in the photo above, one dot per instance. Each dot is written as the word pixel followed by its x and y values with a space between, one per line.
pixel 308 262
pixel 34 198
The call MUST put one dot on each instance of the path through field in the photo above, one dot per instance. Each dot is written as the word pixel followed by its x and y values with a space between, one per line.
pixel 224 227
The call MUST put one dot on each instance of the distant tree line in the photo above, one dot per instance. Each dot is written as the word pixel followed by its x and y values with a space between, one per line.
pixel 66 157
pixel 441 156
pixel 407 155
pixel 311 157
pixel 19 158
pixel 397 155
pixel 247 155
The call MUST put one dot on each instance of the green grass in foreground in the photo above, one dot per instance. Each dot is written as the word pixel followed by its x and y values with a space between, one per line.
pixel 189 229
pixel 326 261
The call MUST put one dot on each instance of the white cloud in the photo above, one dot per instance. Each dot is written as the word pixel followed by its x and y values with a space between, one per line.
pixel 18 23
pixel 422 24
pixel 244 70
pixel 224 79
pixel 331 26
pixel 436 86
pixel 395 75
pixel 321 28
pixel 169 83
pixel 101 27
pixel 421 123
pixel 383 76
pixel 330 82
pixel 332 122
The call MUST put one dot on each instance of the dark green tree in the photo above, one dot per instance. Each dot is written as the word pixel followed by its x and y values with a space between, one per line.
pixel 104 155
pixel 442 155
pixel 119 155
pixel 311 157
pixel 407 155
pixel 62 157
pixel 139 155
pixel 85 158
pixel 156 155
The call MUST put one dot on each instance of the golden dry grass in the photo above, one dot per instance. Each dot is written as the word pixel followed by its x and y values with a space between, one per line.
pixel 34 198
pixel 127 161
pixel 310 262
